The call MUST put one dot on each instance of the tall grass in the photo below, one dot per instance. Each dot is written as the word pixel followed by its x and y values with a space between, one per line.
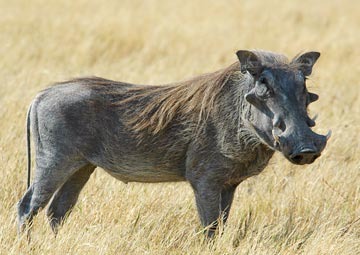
pixel 287 209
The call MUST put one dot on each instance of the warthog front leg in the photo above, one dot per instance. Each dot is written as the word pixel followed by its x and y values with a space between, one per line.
pixel 227 196
pixel 66 197
pixel 213 203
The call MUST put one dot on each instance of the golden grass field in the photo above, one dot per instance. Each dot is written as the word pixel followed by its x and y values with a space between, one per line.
pixel 287 209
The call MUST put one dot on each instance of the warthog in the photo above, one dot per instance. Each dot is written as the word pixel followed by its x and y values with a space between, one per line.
pixel 213 131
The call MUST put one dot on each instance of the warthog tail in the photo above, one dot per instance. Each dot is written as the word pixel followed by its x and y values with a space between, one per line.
pixel 28 146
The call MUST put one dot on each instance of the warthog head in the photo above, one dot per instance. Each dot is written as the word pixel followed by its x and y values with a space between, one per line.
pixel 279 101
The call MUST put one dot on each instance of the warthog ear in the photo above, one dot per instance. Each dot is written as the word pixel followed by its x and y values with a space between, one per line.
pixel 307 61
pixel 249 62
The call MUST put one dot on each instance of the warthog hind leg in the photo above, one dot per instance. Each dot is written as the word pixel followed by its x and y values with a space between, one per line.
pixel 66 197
pixel 49 176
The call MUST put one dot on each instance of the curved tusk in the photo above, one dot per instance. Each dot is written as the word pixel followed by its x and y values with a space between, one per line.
pixel 328 135
pixel 315 117
pixel 276 136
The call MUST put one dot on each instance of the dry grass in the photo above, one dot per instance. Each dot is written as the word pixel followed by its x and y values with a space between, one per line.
pixel 285 210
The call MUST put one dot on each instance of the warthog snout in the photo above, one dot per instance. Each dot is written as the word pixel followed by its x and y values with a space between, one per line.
pixel 303 150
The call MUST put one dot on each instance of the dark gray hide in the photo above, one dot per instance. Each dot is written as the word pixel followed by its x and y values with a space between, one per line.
pixel 213 131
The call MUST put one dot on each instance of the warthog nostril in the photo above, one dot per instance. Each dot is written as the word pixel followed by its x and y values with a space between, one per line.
pixel 304 156
pixel 297 158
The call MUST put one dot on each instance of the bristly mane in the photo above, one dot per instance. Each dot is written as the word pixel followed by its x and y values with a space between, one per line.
pixel 195 97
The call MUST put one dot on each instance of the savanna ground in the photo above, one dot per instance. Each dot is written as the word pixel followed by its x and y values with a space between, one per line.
pixel 287 209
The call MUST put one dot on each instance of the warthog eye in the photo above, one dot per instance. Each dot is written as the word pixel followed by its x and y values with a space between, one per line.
pixel 262 88
pixel 263 80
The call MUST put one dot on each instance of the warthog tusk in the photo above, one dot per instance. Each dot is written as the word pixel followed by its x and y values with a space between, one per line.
pixel 315 117
pixel 276 136
pixel 328 135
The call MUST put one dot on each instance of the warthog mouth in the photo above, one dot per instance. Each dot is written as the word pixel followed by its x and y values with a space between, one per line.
pixel 303 154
